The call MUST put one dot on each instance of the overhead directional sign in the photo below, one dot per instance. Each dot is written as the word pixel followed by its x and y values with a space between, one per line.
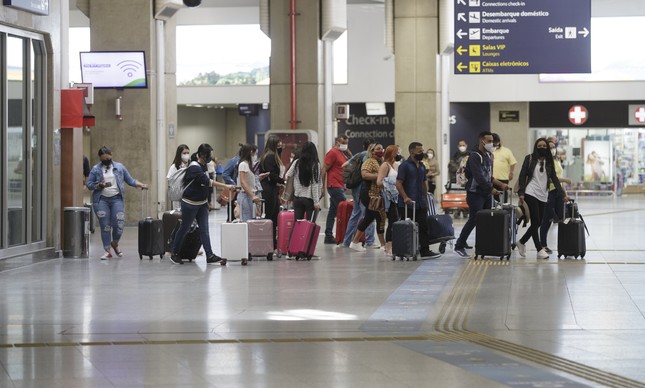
pixel 522 37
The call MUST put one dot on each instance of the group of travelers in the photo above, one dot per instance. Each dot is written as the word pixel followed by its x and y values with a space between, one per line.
pixel 538 187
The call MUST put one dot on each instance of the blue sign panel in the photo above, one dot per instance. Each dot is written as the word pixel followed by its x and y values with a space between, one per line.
pixel 522 37
pixel 35 6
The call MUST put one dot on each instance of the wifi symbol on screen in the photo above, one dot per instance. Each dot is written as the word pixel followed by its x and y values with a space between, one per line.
pixel 129 67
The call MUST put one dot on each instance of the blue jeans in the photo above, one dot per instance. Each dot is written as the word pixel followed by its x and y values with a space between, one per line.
pixel 190 213
pixel 358 212
pixel 111 214
pixel 246 206
pixel 475 203
pixel 336 195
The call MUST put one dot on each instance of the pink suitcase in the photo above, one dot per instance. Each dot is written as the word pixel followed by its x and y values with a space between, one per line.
pixel 260 237
pixel 285 225
pixel 304 238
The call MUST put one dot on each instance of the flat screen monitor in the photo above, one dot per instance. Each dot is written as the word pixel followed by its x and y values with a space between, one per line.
pixel 114 69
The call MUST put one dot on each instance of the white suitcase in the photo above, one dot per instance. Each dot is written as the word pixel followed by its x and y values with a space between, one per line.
pixel 235 241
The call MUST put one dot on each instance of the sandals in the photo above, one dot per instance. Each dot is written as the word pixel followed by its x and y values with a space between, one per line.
pixel 115 246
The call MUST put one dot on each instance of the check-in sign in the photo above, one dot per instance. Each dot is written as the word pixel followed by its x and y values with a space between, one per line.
pixel 522 37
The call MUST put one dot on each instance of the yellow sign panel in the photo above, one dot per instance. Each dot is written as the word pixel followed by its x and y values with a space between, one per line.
pixel 475 67
pixel 474 50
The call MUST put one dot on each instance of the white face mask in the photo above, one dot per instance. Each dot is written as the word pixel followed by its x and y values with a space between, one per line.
pixel 462 148
pixel 430 155
pixel 343 147
pixel 553 151
pixel 185 158
pixel 254 158
pixel 489 147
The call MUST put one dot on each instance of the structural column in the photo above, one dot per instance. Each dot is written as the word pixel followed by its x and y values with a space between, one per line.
pixel 308 66
pixel 417 88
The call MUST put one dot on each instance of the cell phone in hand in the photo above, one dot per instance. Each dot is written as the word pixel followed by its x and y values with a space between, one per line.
pixel 107 184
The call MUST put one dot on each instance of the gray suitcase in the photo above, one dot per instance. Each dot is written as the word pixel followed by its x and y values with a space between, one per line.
pixel 405 237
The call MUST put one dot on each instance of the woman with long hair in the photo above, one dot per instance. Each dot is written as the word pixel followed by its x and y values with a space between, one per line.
pixel 271 165
pixel 371 189
pixel 248 196
pixel 555 205
pixel 538 171
pixel 182 159
pixel 387 178
pixel 307 182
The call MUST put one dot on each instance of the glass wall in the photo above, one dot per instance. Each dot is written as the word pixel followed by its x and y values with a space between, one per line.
pixel 22 126
pixel 601 160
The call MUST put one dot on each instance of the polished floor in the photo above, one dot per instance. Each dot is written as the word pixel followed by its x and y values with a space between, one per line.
pixel 344 319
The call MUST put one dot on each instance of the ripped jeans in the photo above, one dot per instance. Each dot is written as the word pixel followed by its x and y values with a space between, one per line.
pixel 111 214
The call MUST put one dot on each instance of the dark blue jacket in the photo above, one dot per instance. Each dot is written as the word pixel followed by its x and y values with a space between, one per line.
pixel 480 167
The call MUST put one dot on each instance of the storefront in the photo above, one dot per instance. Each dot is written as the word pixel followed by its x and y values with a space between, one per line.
pixel 602 143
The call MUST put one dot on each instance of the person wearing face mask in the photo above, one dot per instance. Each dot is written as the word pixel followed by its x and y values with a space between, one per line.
pixel 410 182
pixel 194 205
pixel 537 173
pixel 504 161
pixel 107 181
pixel 432 167
pixel 480 188
pixel 246 179
pixel 333 175
pixel 453 165
pixel 555 203
pixel 271 176
pixel 181 160
pixel 371 188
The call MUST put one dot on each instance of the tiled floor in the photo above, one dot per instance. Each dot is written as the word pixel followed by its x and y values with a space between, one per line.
pixel 347 319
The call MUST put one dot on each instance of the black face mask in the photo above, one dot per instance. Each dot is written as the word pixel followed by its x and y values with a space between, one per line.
pixel 398 158
pixel 544 152
pixel 106 162
pixel 418 157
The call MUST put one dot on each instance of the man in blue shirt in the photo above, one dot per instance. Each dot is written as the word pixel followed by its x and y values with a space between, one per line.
pixel 410 182
pixel 480 186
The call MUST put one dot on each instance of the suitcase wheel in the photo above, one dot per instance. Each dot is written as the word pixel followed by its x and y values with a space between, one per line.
pixel 309 258
pixel 245 261
pixel 442 248
pixel 140 257
pixel 393 258
pixel 223 262
pixel 161 256
pixel 559 256
pixel 279 254
pixel 270 256
pixel 150 257
pixel 250 257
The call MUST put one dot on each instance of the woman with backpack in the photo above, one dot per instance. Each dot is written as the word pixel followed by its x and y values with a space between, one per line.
pixel 181 160
pixel 271 165
pixel 307 182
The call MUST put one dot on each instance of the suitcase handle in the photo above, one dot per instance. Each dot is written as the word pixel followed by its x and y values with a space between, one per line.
pixel 144 216
pixel 414 211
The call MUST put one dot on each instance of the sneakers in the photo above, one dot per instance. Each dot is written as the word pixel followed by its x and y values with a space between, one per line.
pixel 461 252
pixel 213 259
pixel 547 250
pixel 521 249
pixel 425 255
pixel 357 247
pixel 468 247
pixel 542 254
pixel 373 246
pixel 106 256
pixel 330 240
pixel 175 259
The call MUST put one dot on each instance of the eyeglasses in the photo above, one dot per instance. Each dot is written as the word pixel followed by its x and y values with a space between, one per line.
pixel 542 166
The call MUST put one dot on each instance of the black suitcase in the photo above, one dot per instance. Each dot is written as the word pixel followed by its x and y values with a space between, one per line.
pixel 170 220
pixel 405 237
pixel 92 217
pixel 493 233
pixel 571 233
pixel 150 234
pixel 440 228
pixel 189 248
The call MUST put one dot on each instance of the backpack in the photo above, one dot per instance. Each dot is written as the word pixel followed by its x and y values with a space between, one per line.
pixel 462 172
pixel 352 173
pixel 176 183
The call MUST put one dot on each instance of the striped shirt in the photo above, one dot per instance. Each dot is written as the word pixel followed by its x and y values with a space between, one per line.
pixel 312 191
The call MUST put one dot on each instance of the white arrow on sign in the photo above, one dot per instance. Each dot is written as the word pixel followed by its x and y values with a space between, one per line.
pixel 461 34
pixel 584 32
pixel 462 2
pixel 461 16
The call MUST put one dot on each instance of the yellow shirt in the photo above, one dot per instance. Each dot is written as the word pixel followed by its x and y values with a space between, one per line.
pixel 558 172
pixel 503 161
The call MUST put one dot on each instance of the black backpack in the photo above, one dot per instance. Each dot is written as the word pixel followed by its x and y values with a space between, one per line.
pixel 352 173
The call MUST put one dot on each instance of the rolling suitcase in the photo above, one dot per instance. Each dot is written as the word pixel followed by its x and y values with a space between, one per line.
pixel 571 233
pixel 510 209
pixel 345 209
pixel 440 227
pixel 285 225
pixel 304 238
pixel 235 241
pixel 405 237
pixel 260 236
pixel 189 248
pixel 151 241
pixel 170 220
pixel 493 233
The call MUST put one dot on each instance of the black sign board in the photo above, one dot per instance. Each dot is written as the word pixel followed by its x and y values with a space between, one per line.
pixel 522 37
pixel 36 6
pixel 509 116
pixel 360 126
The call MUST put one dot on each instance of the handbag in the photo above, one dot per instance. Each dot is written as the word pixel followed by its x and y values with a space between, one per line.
pixel 289 189
pixel 376 203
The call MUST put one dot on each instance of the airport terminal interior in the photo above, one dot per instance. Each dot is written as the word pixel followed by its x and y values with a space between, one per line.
pixel 345 318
